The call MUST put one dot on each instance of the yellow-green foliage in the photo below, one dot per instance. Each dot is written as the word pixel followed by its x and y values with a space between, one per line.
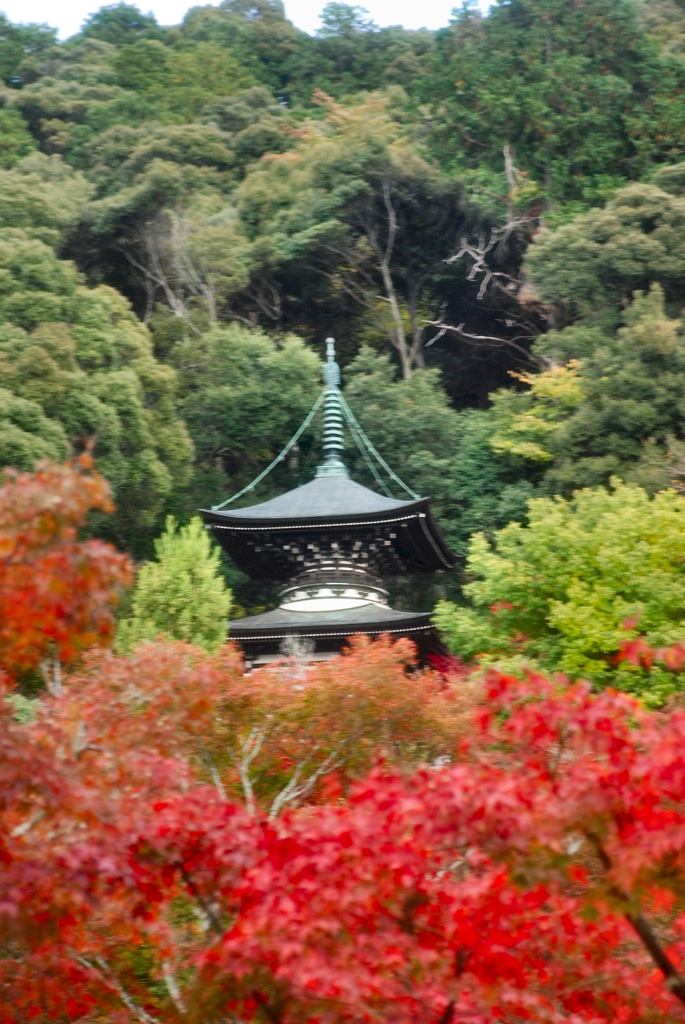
pixel 524 421
pixel 181 596
pixel 583 577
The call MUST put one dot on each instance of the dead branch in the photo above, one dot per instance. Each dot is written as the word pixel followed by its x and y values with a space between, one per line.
pixel 478 251
pixel 492 340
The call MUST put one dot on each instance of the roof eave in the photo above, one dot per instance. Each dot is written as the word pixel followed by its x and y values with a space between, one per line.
pixel 272 522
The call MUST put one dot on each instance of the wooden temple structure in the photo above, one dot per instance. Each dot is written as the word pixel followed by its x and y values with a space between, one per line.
pixel 329 543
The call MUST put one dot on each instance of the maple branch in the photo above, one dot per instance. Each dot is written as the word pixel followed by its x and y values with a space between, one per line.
pixel 22 829
pixel 249 749
pixel 104 972
pixel 51 669
pixel 674 979
pixel 207 910
pixel 643 929
pixel 172 987
pixel 273 1015
pixel 209 764
pixel 447 1016
pixel 294 791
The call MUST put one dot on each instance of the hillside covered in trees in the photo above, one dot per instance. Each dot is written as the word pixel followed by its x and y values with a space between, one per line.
pixel 489 219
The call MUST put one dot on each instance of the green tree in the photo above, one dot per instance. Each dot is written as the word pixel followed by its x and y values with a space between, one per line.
pixel 437 451
pixel 16 141
pixel 633 387
pixel 87 362
pixel 256 123
pixel 157 217
pixel 611 399
pixel 255 32
pixel 583 577
pixel 358 207
pixel 43 196
pixel 579 93
pixel 665 22
pixel 243 396
pixel 349 53
pixel 177 83
pixel 590 268
pixel 181 595
pixel 20 45
pixel 68 100
pixel 121 24
pixel 27 435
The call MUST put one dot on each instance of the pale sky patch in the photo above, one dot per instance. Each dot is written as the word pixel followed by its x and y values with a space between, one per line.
pixel 68 15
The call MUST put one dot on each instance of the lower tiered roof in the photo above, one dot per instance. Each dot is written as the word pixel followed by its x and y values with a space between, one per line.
pixel 370 619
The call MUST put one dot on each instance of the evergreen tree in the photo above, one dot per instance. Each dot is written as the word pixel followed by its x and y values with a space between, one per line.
pixel 87 362
pixel 563 85
pixel 182 595
pixel 589 269
pixel 121 23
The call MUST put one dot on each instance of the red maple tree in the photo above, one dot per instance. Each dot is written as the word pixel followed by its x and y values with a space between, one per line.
pixel 57 593
pixel 532 870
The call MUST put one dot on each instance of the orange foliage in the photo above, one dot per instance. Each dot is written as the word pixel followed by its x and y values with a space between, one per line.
pixel 276 738
pixel 57 593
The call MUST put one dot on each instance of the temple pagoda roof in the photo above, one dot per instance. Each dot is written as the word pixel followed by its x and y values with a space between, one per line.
pixel 328 497
pixel 331 522
pixel 277 539
pixel 279 623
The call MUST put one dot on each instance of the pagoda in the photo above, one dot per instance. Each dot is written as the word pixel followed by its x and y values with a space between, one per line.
pixel 329 543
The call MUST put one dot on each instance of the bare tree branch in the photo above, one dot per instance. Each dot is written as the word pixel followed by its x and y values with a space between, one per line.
pixel 296 790
pixel 105 974
pixel 209 912
pixel 478 251
pixel 172 987
pixel 249 750
pixel 489 339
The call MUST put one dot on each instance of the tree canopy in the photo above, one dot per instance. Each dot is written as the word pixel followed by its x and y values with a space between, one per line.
pixel 179 841
pixel 567 590
pixel 487 218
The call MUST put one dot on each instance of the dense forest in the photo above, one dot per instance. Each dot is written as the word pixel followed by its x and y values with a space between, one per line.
pixel 488 218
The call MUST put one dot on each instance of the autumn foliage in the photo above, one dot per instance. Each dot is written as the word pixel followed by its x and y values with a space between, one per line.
pixel 57 593
pixel 359 841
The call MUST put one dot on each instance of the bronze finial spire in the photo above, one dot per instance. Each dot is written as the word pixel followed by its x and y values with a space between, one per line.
pixel 333 442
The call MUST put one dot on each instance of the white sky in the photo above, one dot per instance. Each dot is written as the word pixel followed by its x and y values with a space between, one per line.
pixel 67 15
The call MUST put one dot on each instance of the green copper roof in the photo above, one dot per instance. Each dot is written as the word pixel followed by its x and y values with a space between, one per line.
pixel 365 619
pixel 327 496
